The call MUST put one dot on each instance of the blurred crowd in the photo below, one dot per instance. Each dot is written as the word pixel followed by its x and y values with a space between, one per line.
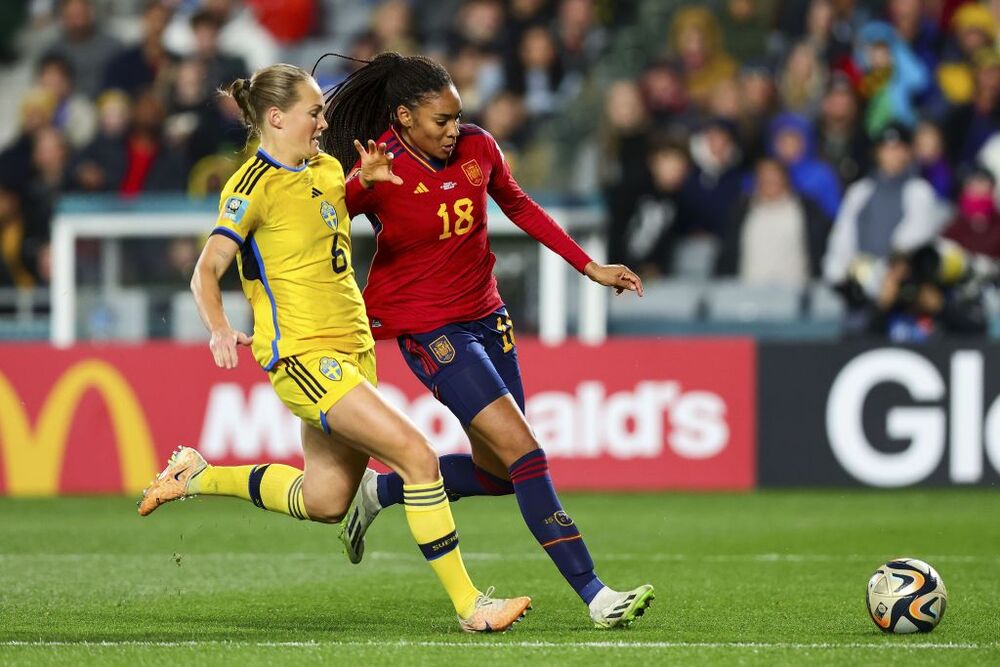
pixel 780 143
pixel 119 97
pixel 776 142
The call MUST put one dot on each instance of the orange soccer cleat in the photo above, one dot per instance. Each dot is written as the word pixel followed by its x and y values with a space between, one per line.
pixel 172 483
pixel 495 614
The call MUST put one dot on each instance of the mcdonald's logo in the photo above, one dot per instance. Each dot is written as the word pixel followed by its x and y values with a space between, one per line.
pixel 33 457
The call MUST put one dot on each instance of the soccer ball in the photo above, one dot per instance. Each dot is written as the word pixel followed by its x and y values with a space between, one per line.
pixel 906 595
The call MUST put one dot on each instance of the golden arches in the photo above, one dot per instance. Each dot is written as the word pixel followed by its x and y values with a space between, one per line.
pixel 33 459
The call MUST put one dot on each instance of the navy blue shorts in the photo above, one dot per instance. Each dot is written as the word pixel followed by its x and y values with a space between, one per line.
pixel 467 365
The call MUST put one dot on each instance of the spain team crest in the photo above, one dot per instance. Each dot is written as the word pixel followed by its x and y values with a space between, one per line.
pixel 442 349
pixel 329 214
pixel 473 172
pixel 331 369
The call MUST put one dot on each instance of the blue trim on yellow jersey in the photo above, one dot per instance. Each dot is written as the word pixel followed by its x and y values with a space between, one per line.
pixel 274 306
pixel 225 231
pixel 274 163
pixel 323 422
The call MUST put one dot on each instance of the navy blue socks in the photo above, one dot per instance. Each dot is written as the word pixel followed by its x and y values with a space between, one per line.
pixel 461 477
pixel 551 526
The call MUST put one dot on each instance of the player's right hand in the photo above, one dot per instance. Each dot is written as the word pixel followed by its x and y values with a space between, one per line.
pixel 376 164
pixel 223 345
pixel 617 276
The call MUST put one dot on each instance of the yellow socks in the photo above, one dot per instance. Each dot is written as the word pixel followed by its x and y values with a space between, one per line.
pixel 278 488
pixel 433 527
pixel 270 486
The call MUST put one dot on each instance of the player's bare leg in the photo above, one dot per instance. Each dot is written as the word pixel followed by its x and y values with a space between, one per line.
pixel 332 473
pixel 501 436
pixel 334 469
pixel 366 422
pixel 484 456
pixel 502 429
pixel 355 447
pixel 327 485
pixel 366 505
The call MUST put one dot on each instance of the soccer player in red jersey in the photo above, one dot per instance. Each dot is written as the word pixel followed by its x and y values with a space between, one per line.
pixel 431 287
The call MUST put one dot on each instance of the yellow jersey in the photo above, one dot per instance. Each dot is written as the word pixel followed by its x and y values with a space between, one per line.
pixel 294 234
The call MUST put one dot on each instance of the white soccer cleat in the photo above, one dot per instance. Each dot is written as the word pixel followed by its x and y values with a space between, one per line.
pixel 364 508
pixel 495 614
pixel 615 609
pixel 172 483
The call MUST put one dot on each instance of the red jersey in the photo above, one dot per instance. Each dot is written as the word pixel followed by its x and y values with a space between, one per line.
pixel 433 265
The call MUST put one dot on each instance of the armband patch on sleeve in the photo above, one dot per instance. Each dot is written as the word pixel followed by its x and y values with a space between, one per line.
pixel 235 208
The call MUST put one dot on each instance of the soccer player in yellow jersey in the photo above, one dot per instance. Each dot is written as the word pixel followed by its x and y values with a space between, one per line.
pixel 283 216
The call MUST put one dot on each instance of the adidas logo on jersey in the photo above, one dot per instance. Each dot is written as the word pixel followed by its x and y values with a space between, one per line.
pixel 420 189
pixel 316 193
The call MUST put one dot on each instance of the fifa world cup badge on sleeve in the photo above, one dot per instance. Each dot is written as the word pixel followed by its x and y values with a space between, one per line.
pixel 235 208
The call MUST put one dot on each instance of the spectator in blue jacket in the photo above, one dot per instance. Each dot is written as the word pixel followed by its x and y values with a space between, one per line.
pixel 892 76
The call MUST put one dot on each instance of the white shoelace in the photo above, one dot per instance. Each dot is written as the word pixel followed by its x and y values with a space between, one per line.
pixel 485 598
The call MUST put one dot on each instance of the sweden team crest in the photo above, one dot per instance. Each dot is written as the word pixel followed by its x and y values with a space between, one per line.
pixel 329 214
pixel 331 368
pixel 473 172
pixel 442 349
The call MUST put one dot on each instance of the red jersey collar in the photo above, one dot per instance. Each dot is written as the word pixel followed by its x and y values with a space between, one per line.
pixel 433 164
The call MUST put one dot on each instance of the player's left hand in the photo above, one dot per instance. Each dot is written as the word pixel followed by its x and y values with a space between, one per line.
pixel 617 276
pixel 376 164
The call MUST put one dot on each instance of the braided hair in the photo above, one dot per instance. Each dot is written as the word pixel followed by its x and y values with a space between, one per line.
pixel 363 105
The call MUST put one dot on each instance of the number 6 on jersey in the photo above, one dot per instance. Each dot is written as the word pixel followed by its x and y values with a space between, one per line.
pixel 339 260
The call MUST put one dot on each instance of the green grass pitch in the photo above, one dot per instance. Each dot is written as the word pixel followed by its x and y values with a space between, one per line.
pixel 759 578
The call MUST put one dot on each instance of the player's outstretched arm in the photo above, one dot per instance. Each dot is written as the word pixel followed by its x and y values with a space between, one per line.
pixel 216 256
pixel 376 165
pixel 617 276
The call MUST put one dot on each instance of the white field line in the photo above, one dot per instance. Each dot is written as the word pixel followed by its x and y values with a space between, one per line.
pixel 531 555
pixel 500 645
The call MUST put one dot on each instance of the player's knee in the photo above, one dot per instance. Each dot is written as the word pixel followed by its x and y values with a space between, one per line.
pixel 515 446
pixel 326 515
pixel 526 442
pixel 421 464
pixel 325 510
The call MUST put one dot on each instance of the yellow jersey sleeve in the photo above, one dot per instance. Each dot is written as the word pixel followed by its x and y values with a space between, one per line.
pixel 241 205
